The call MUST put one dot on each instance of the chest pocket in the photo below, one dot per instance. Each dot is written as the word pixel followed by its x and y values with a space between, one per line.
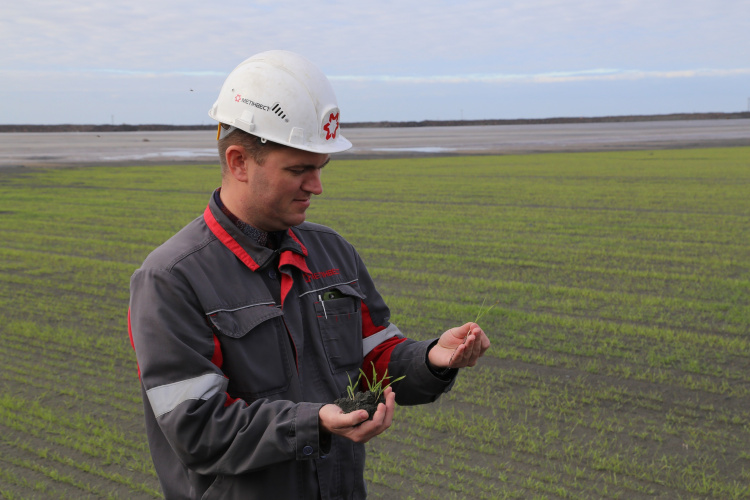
pixel 257 354
pixel 340 322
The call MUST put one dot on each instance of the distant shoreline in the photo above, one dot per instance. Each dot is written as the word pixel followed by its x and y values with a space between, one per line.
pixel 390 124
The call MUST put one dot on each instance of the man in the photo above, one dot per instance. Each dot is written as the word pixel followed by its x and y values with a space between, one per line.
pixel 248 322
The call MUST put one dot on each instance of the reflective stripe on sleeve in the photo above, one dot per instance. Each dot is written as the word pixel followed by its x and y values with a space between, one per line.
pixel 374 340
pixel 166 398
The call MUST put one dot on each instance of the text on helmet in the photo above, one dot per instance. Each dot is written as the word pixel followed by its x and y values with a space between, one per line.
pixel 245 100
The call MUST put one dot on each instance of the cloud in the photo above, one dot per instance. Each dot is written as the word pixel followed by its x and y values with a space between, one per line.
pixel 601 74
pixel 552 77
pixel 205 79
pixel 129 51
pixel 387 37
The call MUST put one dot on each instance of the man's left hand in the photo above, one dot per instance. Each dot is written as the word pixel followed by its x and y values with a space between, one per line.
pixel 459 347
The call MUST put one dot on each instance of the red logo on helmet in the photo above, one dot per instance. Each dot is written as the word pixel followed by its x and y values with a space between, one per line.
pixel 237 98
pixel 331 134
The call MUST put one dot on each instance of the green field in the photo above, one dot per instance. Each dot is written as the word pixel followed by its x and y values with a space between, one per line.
pixel 620 359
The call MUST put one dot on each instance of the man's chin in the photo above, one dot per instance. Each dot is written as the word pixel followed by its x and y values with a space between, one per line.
pixel 295 221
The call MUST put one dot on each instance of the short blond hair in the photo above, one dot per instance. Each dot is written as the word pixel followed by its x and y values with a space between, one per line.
pixel 257 148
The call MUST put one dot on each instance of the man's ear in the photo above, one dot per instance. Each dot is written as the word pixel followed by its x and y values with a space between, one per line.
pixel 236 157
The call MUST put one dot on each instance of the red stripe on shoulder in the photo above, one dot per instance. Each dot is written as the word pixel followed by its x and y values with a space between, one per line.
pixel 294 237
pixel 368 326
pixel 380 356
pixel 227 239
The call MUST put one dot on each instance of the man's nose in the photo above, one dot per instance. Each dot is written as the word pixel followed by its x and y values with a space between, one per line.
pixel 312 182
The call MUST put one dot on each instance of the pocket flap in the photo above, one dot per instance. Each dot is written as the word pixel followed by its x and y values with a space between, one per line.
pixel 237 322
pixel 351 291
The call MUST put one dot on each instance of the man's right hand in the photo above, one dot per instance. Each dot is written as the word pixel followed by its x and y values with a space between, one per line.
pixel 334 420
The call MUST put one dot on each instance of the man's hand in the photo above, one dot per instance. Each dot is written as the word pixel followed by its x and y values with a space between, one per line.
pixel 334 420
pixel 459 347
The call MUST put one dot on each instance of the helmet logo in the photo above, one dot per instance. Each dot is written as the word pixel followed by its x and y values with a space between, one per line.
pixel 329 128
pixel 250 102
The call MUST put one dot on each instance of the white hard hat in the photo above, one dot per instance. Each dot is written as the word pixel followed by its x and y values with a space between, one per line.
pixel 282 97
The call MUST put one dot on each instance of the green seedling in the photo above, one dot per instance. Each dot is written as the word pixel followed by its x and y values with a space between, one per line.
pixel 482 312
pixel 365 400
pixel 351 389
pixel 376 386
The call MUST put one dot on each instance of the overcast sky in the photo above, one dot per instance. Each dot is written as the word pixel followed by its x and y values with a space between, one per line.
pixel 163 61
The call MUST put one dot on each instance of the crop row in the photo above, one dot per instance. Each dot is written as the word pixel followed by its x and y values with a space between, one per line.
pixel 619 365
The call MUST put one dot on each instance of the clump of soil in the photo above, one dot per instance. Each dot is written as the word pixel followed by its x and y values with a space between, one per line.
pixel 367 400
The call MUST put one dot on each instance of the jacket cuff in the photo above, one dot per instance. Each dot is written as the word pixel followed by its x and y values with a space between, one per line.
pixel 443 379
pixel 421 384
pixel 444 374
pixel 310 444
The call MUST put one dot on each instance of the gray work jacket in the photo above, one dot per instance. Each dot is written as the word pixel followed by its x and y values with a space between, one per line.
pixel 238 347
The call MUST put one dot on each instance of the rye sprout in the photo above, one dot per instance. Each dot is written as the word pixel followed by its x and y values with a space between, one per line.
pixel 351 389
pixel 376 386
pixel 482 312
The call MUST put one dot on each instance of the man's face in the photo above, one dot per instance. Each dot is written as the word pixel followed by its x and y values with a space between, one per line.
pixel 281 188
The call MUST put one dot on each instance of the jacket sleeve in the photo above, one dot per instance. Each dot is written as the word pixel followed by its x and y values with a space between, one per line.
pixel 387 348
pixel 210 432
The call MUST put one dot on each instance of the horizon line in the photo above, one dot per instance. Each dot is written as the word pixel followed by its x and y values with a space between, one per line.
pixel 682 116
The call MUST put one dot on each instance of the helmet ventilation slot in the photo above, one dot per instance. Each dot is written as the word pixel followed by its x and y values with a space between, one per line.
pixel 279 112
